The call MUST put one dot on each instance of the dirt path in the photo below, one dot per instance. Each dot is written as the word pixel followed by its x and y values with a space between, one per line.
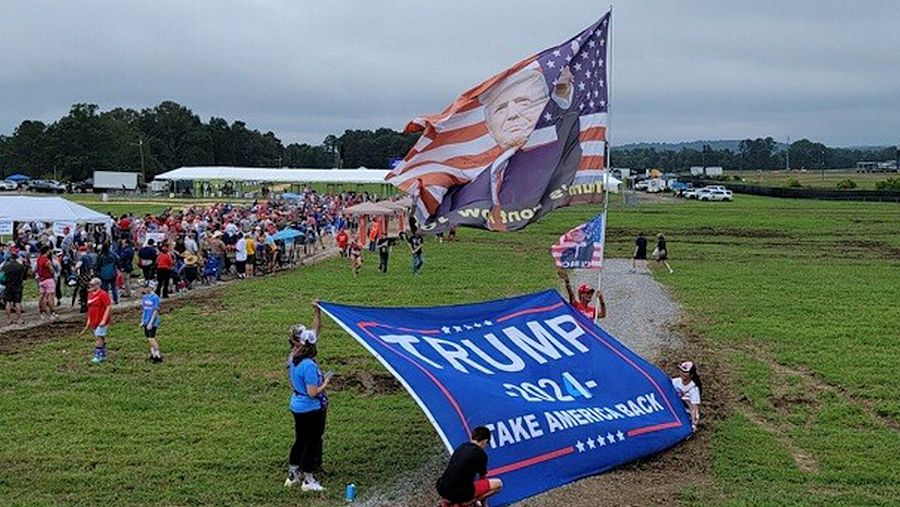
pixel 643 317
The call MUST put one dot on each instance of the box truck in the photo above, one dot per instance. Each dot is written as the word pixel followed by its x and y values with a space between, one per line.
pixel 112 180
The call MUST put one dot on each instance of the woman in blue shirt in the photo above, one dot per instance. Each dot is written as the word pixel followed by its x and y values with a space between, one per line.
pixel 308 404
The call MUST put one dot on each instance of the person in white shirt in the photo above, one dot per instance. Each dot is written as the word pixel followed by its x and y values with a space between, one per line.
pixel 688 386
pixel 240 255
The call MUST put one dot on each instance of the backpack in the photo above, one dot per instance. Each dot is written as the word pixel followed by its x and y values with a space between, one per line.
pixel 107 268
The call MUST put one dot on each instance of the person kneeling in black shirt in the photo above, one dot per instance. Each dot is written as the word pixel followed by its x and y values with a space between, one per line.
pixel 458 485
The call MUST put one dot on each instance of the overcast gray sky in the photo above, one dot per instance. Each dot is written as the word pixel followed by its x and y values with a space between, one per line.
pixel 685 70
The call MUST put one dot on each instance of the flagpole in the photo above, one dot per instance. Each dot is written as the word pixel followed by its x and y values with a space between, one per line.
pixel 608 154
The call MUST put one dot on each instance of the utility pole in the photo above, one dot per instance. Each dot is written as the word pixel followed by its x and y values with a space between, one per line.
pixel 787 155
pixel 140 145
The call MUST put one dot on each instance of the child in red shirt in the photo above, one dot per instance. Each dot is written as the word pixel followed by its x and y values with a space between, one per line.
pixel 99 318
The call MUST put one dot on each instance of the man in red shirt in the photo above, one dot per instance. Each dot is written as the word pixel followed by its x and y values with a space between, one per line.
pixel 582 303
pixel 99 318
pixel 164 266
pixel 46 283
pixel 342 240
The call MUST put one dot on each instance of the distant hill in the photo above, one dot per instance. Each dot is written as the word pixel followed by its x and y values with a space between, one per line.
pixel 722 144
pixel 732 145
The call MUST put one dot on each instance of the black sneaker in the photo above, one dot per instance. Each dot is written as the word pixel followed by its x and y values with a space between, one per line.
pixel 156 359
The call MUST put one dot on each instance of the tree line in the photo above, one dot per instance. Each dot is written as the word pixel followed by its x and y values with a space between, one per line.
pixel 161 138
pixel 169 136
pixel 753 154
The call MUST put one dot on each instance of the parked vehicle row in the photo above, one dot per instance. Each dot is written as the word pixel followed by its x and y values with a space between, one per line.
pixel 48 186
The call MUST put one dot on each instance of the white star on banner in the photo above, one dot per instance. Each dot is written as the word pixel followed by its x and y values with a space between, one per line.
pixel 551 64
pixel 548 116
pixel 468 327
pixel 556 53
pixel 620 435
pixel 577 67
pixel 600 441
pixel 581 106
pixel 588 74
pixel 610 438
pixel 568 58
pixel 488 323
pixel 602 103
pixel 602 83
pixel 600 63
pixel 581 86
pixel 591 104
pixel 446 330
pixel 602 42
pixel 584 56
pixel 591 43
pixel 457 328
pixel 477 324
pixel 590 443
pixel 580 446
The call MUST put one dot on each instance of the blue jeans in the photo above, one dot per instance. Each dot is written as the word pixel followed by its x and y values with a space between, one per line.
pixel 110 287
pixel 417 262
pixel 220 266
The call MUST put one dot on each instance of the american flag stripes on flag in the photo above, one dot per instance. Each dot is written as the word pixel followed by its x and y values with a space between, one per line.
pixel 582 247
pixel 525 141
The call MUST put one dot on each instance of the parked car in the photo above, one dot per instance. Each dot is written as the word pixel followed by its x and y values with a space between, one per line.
pixel 678 188
pixel 715 195
pixel 82 187
pixel 691 193
pixel 716 187
pixel 46 187
pixel 642 185
pixel 8 185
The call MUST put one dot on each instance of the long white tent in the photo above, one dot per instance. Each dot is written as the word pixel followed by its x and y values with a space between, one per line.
pixel 361 175
pixel 21 208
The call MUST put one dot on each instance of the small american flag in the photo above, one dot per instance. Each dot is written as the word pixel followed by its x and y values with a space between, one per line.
pixel 582 247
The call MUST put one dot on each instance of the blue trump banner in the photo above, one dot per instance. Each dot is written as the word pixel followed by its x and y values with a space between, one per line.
pixel 563 399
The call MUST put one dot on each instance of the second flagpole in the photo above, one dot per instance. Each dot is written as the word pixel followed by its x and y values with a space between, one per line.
pixel 607 159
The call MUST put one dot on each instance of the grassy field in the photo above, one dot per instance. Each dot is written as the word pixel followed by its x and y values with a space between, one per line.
pixel 795 299
pixel 813 179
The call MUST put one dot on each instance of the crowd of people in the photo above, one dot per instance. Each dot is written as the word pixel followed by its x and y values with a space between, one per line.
pixel 177 249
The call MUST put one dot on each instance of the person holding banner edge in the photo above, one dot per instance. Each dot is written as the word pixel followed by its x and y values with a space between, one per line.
pixel 308 404
pixel 458 484
pixel 687 384
pixel 582 303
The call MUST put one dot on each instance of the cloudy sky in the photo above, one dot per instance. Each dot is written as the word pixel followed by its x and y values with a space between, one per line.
pixel 686 70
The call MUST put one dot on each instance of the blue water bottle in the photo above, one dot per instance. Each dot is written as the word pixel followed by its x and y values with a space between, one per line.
pixel 350 493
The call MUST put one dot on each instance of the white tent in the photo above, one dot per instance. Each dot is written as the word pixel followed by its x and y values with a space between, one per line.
pixel 361 175
pixel 20 208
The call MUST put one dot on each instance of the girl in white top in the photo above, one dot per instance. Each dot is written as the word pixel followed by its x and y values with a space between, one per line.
pixel 688 387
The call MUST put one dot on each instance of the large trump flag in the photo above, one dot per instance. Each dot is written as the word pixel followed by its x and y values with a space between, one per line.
pixel 527 140
pixel 563 399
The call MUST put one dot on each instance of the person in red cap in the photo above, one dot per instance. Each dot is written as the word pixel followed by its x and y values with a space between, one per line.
pixel 582 302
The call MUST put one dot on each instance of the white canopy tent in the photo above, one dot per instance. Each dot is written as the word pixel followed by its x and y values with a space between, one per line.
pixel 358 176
pixel 20 208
